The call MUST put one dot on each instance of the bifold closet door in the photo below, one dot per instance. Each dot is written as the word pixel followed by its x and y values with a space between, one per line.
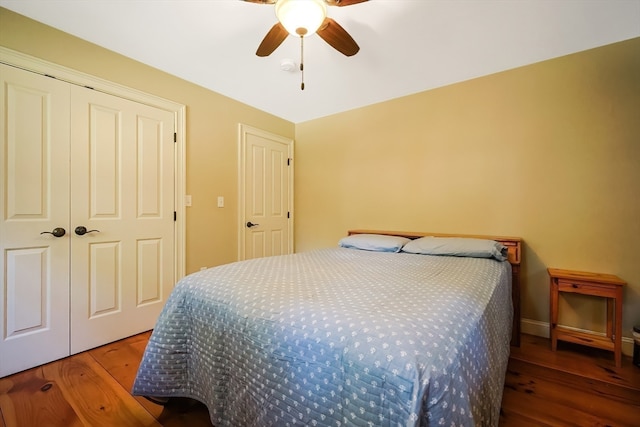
pixel 34 199
pixel 122 187
pixel 87 225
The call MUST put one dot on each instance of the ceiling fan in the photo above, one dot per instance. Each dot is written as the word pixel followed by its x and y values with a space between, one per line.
pixel 304 17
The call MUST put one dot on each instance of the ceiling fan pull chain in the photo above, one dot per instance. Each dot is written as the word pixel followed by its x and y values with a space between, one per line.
pixel 302 62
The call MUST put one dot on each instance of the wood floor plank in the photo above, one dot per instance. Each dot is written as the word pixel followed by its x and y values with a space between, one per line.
pixel 599 388
pixel 30 399
pixel 554 414
pixel 574 385
pixel 577 359
pixel 122 358
pixel 96 397
pixel 512 418
pixel 558 393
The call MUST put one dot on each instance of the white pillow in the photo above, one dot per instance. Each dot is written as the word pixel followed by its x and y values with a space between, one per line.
pixel 374 242
pixel 457 246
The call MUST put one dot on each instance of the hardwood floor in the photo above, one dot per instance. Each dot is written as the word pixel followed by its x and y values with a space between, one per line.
pixel 574 386
pixel 91 389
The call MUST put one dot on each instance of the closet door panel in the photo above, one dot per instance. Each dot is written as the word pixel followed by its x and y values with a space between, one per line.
pixel 152 252
pixel 149 271
pixel 154 226
pixel 104 281
pixel 34 199
pixel 122 187
pixel 105 173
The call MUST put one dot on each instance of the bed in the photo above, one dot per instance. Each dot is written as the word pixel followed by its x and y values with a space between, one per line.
pixel 341 336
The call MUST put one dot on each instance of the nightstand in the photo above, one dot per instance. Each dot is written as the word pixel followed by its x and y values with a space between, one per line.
pixel 601 285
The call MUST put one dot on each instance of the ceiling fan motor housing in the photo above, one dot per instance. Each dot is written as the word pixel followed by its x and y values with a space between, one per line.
pixel 301 17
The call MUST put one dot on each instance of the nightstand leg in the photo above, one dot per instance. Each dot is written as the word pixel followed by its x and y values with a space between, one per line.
pixel 554 315
pixel 617 345
pixel 610 318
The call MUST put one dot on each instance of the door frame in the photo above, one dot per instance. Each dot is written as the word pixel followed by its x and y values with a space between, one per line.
pixel 243 131
pixel 40 66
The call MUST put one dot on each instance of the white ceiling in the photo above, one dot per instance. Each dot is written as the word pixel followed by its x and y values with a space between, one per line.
pixel 406 46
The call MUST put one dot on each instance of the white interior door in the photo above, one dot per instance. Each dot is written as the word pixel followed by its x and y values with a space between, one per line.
pixel 74 157
pixel 266 194
pixel 34 198
pixel 122 168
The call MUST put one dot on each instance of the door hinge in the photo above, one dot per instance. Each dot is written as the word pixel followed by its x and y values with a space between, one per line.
pixel 175 216
pixel 175 137
pixel 289 162
pixel 288 215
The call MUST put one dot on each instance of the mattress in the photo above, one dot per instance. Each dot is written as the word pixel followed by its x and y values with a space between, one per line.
pixel 337 337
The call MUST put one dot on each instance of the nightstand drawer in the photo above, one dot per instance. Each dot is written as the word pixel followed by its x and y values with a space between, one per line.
pixel 601 290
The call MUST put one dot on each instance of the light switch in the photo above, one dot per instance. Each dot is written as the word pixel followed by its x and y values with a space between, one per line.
pixel 187 200
pixel 221 201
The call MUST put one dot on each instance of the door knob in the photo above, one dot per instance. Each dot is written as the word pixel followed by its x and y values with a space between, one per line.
pixel 250 224
pixel 81 230
pixel 57 232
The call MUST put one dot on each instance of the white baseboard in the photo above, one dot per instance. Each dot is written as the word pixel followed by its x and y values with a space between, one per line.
pixel 541 329
pixel 534 327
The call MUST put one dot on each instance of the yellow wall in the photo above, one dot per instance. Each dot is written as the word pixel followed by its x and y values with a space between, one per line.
pixel 549 152
pixel 211 130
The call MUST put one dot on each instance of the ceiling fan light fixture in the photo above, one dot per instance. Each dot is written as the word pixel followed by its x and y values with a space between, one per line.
pixel 301 17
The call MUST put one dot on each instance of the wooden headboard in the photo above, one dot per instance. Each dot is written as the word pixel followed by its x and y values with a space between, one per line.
pixel 514 248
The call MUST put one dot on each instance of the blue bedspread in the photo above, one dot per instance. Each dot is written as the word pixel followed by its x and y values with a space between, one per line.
pixel 337 337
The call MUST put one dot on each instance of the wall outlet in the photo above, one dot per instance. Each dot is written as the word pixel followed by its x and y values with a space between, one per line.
pixel 221 201
pixel 187 200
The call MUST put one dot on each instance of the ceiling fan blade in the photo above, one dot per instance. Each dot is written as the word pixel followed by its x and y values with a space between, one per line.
pixel 341 2
pixel 263 1
pixel 338 38
pixel 272 40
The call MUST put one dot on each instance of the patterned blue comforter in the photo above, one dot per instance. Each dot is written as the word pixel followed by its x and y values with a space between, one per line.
pixel 337 337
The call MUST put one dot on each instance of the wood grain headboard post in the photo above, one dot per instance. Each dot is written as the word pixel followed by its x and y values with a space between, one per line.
pixel 514 248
